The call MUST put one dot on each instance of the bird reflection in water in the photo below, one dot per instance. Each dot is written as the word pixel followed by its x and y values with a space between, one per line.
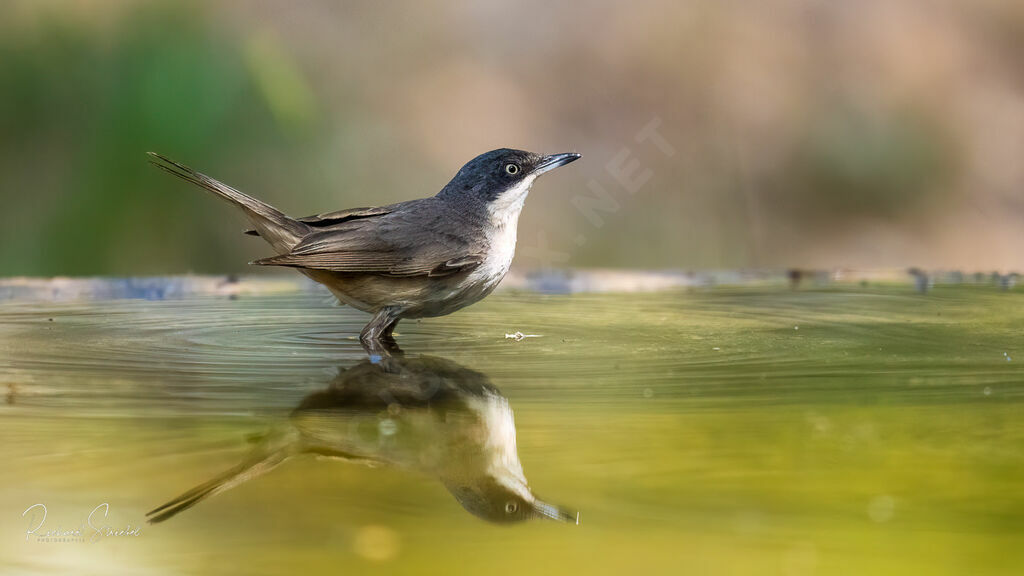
pixel 424 414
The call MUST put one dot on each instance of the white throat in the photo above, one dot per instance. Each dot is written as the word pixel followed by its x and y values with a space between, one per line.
pixel 504 212
pixel 500 444
pixel 505 209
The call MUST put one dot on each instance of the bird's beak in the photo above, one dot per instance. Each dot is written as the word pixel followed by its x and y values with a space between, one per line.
pixel 553 161
pixel 552 512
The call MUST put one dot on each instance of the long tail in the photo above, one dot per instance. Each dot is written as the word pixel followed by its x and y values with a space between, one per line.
pixel 264 458
pixel 281 231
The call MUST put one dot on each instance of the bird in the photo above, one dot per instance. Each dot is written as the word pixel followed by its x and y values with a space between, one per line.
pixel 420 258
pixel 426 414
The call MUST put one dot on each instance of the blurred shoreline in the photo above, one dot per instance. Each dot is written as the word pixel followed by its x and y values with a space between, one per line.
pixel 560 281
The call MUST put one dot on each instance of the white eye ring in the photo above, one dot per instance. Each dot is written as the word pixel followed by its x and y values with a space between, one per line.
pixel 512 169
pixel 511 507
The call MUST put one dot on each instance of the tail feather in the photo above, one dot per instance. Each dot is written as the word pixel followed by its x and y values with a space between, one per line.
pixel 273 225
pixel 264 459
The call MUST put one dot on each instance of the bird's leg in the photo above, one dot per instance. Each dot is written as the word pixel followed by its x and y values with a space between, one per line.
pixel 390 329
pixel 380 327
pixel 376 337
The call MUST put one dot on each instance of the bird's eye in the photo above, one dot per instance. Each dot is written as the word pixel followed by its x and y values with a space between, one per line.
pixel 512 169
pixel 511 507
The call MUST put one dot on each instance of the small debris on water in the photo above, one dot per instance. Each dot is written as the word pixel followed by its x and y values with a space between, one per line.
pixel 517 336
pixel 1007 356
pixel 987 391
pixel 796 327
pixel 716 349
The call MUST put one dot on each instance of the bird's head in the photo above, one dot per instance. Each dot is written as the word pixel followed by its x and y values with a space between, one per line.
pixel 506 501
pixel 502 178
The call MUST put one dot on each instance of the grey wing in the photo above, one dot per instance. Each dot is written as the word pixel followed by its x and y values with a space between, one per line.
pixel 403 243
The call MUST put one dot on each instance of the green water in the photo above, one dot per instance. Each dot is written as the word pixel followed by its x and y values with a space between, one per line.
pixel 725 431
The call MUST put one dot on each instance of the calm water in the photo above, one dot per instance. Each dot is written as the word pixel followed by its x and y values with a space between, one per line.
pixel 723 431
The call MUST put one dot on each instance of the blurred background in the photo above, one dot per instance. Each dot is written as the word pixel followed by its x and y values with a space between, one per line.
pixel 789 133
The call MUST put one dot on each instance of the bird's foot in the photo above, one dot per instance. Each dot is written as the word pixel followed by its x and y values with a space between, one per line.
pixel 382 351
pixel 377 339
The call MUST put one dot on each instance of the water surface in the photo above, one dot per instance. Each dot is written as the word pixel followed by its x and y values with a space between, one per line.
pixel 750 430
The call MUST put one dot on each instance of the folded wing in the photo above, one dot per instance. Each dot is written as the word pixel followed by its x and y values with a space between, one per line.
pixel 328 219
pixel 395 243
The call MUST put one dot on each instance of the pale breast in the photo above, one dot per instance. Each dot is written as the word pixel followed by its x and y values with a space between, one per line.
pixel 483 279
pixel 432 295
pixel 499 256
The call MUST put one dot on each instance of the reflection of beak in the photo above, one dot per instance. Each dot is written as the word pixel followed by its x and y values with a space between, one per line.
pixel 545 510
pixel 554 161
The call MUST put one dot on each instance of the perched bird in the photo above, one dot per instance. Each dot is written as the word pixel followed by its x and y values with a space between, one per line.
pixel 426 257
pixel 428 415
